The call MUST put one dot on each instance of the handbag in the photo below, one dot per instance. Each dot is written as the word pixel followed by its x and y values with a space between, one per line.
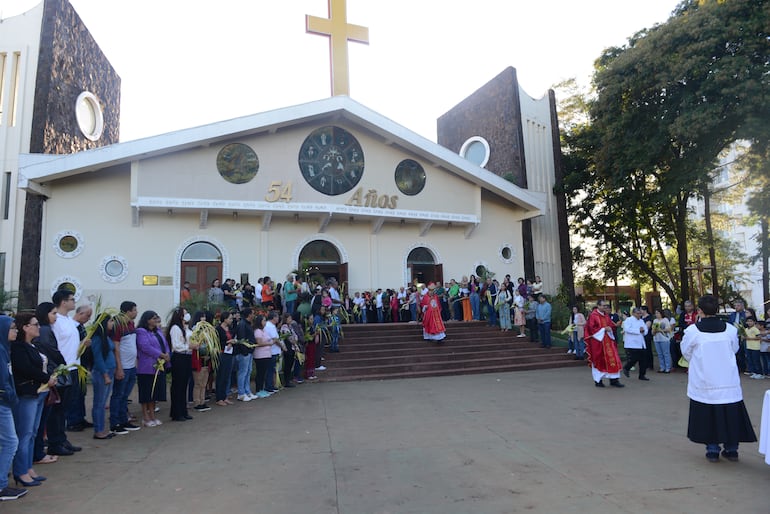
pixel 53 397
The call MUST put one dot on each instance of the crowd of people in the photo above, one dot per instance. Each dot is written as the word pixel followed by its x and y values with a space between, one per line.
pixel 275 336
pixel 713 351
pixel 192 360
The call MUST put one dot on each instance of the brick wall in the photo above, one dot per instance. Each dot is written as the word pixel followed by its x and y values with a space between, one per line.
pixel 492 112
pixel 70 62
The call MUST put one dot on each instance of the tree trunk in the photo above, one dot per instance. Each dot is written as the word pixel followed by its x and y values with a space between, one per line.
pixel 710 240
pixel 681 245
pixel 765 249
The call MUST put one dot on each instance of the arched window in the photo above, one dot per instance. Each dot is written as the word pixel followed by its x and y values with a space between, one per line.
pixel 202 252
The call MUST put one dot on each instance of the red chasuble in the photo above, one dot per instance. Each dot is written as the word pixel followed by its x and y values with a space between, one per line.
pixel 431 318
pixel 602 354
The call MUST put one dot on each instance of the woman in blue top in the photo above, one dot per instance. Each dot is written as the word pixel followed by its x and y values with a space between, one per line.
pixel 102 375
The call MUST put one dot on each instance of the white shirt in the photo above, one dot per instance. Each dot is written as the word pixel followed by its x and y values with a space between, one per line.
pixel 632 337
pixel 713 374
pixel 271 332
pixel 359 300
pixel 180 341
pixel 334 295
pixel 67 337
pixel 258 292
pixel 378 300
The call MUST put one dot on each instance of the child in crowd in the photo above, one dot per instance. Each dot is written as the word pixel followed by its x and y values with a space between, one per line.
pixel 335 329
pixel 764 348
pixel 752 349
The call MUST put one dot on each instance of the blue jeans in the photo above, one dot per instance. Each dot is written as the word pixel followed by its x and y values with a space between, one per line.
pixel 26 414
pixel 102 393
pixel 9 442
pixel 335 346
pixel 290 307
pixel 413 311
pixel 476 306
pixel 714 447
pixel 753 364
pixel 545 333
pixel 664 354
pixel 764 360
pixel 74 402
pixel 580 347
pixel 223 375
pixel 244 374
pixel 380 316
pixel 121 390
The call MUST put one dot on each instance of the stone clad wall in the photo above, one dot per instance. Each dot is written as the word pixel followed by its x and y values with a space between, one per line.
pixel 492 112
pixel 70 62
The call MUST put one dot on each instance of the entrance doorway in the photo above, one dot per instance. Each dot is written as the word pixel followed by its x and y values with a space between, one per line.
pixel 201 264
pixel 321 261
pixel 423 268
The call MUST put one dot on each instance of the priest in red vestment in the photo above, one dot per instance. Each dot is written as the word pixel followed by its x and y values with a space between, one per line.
pixel 601 349
pixel 432 324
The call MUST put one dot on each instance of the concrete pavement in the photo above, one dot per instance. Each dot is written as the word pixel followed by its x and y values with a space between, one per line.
pixel 533 441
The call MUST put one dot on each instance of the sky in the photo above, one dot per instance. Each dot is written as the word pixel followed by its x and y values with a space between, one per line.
pixel 185 63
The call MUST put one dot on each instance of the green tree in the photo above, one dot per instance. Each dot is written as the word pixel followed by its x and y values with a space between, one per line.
pixel 665 106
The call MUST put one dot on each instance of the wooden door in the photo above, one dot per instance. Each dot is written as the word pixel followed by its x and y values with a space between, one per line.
pixel 343 278
pixel 438 274
pixel 200 275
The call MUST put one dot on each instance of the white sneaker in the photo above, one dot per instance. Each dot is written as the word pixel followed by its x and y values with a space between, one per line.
pixel 755 376
pixel 569 352
pixel 240 397
pixel 253 396
pixel 321 368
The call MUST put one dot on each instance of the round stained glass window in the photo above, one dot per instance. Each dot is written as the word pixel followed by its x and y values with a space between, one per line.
pixel 237 163
pixel 68 244
pixel 331 160
pixel 410 177
pixel 113 268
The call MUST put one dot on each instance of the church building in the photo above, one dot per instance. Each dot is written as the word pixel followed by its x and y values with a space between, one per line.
pixel 330 186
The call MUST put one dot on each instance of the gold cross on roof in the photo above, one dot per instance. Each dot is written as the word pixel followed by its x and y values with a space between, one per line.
pixel 338 29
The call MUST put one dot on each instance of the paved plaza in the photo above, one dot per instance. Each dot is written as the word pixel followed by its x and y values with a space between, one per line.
pixel 534 441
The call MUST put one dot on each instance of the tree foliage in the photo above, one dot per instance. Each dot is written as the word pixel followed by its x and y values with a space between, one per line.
pixel 665 106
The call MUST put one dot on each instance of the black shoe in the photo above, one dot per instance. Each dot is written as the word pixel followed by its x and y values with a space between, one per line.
pixel 11 493
pixel 131 427
pixel 644 378
pixel 599 384
pixel 59 450
pixel 118 429
pixel 731 456
pixel 187 416
pixel 87 424
pixel 289 385
pixel 615 382
pixel 76 428
pixel 108 436
pixel 19 481
pixel 712 457
pixel 71 447
pixel 178 419
pixel 626 372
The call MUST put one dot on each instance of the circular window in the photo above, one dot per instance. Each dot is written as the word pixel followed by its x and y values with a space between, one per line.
pixel 331 160
pixel 88 113
pixel 481 271
pixel 68 244
pixel 506 253
pixel 113 269
pixel 69 283
pixel 410 177
pixel 237 163
pixel 476 150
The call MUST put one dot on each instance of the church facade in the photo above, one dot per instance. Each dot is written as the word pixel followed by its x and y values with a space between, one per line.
pixel 330 186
